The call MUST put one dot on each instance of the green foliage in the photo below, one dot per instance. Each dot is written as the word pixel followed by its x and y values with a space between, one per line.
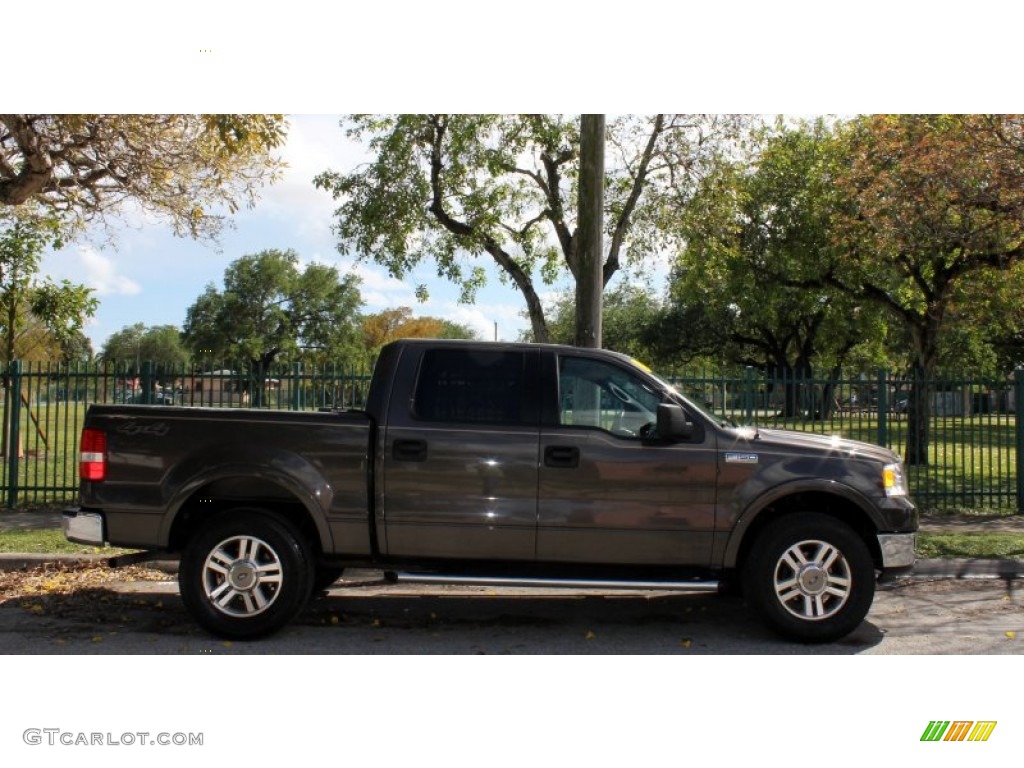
pixel 38 318
pixel 749 283
pixel 631 322
pixel 271 309
pixel 135 344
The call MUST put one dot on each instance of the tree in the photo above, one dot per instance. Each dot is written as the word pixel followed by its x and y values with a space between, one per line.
pixel 85 167
pixel 138 343
pixel 933 200
pixel 271 309
pixel 35 316
pixel 30 308
pixel 631 322
pixel 391 324
pixel 758 237
pixel 454 188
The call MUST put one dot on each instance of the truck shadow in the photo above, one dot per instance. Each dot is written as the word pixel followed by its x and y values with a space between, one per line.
pixel 576 624
pixel 150 617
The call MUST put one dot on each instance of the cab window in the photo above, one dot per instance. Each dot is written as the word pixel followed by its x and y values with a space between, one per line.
pixel 477 387
pixel 598 394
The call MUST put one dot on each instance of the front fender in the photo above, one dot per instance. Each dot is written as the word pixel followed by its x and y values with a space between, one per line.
pixel 770 499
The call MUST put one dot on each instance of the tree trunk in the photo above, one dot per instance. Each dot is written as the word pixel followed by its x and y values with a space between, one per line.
pixel 590 279
pixel 919 415
pixel 919 407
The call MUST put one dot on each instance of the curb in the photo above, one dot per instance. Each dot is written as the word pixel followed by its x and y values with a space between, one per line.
pixel 968 568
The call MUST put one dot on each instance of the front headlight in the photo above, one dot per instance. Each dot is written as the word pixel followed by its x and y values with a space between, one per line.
pixel 893 481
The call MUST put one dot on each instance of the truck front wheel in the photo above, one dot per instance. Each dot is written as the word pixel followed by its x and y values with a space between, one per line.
pixel 246 574
pixel 811 578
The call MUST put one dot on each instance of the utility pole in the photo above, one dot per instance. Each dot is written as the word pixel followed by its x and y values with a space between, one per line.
pixel 590 246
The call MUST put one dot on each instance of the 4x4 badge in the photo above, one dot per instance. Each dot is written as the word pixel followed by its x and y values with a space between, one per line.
pixel 741 458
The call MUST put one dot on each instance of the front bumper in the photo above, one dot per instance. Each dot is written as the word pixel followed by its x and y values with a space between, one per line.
pixel 83 527
pixel 898 549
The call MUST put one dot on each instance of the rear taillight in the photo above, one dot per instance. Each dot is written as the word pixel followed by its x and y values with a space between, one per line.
pixel 92 461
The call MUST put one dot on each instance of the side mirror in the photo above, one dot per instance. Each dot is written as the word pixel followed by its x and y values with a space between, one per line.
pixel 672 423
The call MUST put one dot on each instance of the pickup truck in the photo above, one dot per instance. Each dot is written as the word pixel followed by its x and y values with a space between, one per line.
pixel 496 464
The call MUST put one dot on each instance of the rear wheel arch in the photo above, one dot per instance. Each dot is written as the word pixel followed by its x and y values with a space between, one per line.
pixel 218 496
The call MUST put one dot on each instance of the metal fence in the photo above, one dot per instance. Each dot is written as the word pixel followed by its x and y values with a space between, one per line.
pixel 975 447
pixel 45 406
pixel 974 454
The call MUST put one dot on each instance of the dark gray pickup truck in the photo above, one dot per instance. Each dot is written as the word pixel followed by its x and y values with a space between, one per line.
pixel 497 464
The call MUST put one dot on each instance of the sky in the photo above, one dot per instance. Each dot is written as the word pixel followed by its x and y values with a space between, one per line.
pixel 142 273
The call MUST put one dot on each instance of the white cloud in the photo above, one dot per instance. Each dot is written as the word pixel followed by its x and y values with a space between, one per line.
pixel 91 268
pixel 314 144
pixel 381 291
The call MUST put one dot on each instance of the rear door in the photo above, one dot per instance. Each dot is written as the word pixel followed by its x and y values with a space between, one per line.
pixel 459 454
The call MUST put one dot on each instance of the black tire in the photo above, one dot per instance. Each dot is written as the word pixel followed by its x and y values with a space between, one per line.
pixel 246 574
pixel 324 576
pixel 810 577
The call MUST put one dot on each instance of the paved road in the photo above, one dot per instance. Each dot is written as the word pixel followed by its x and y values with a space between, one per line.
pixel 939 611
pixel 946 616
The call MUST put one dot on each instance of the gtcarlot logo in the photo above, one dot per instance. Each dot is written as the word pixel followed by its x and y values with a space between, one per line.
pixel 57 737
pixel 959 730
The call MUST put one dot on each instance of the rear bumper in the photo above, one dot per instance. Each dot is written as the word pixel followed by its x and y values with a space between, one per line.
pixel 898 549
pixel 83 527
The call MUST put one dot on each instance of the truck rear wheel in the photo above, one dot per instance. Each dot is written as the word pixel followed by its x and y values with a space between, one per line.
pixel 246 574
pixel 810 577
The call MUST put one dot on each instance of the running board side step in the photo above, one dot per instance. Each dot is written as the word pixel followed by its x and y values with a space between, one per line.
pixel 694 587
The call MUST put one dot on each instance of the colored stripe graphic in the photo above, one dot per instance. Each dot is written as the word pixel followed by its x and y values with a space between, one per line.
pixel 982 730
pixel 958 730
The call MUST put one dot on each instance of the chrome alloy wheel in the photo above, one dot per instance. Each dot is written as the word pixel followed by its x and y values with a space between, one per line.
pixel 242 576
pixel 812 580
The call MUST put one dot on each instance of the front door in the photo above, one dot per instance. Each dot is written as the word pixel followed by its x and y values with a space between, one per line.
pixel 609 492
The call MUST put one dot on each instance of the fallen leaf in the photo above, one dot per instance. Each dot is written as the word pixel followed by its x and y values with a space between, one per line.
pixel 686 643
pixel 1012 635
pixel 590 635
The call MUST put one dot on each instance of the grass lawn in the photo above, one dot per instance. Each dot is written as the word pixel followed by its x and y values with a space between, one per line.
pixel 48 541
pixel 971 545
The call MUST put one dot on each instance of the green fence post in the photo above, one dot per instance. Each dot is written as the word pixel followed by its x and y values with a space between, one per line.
pixel 147 382
pixel 296 398
pixel 883 408
pixel 1018 403
pixel 748 395
pixel 14 433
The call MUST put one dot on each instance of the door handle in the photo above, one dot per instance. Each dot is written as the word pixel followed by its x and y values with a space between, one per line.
pixel 561 456
pixel 409 450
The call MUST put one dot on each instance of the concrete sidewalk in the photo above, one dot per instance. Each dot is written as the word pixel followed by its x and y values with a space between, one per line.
pixel 950 569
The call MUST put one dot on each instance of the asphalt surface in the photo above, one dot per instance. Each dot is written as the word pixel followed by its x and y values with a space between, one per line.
pixel 946 568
